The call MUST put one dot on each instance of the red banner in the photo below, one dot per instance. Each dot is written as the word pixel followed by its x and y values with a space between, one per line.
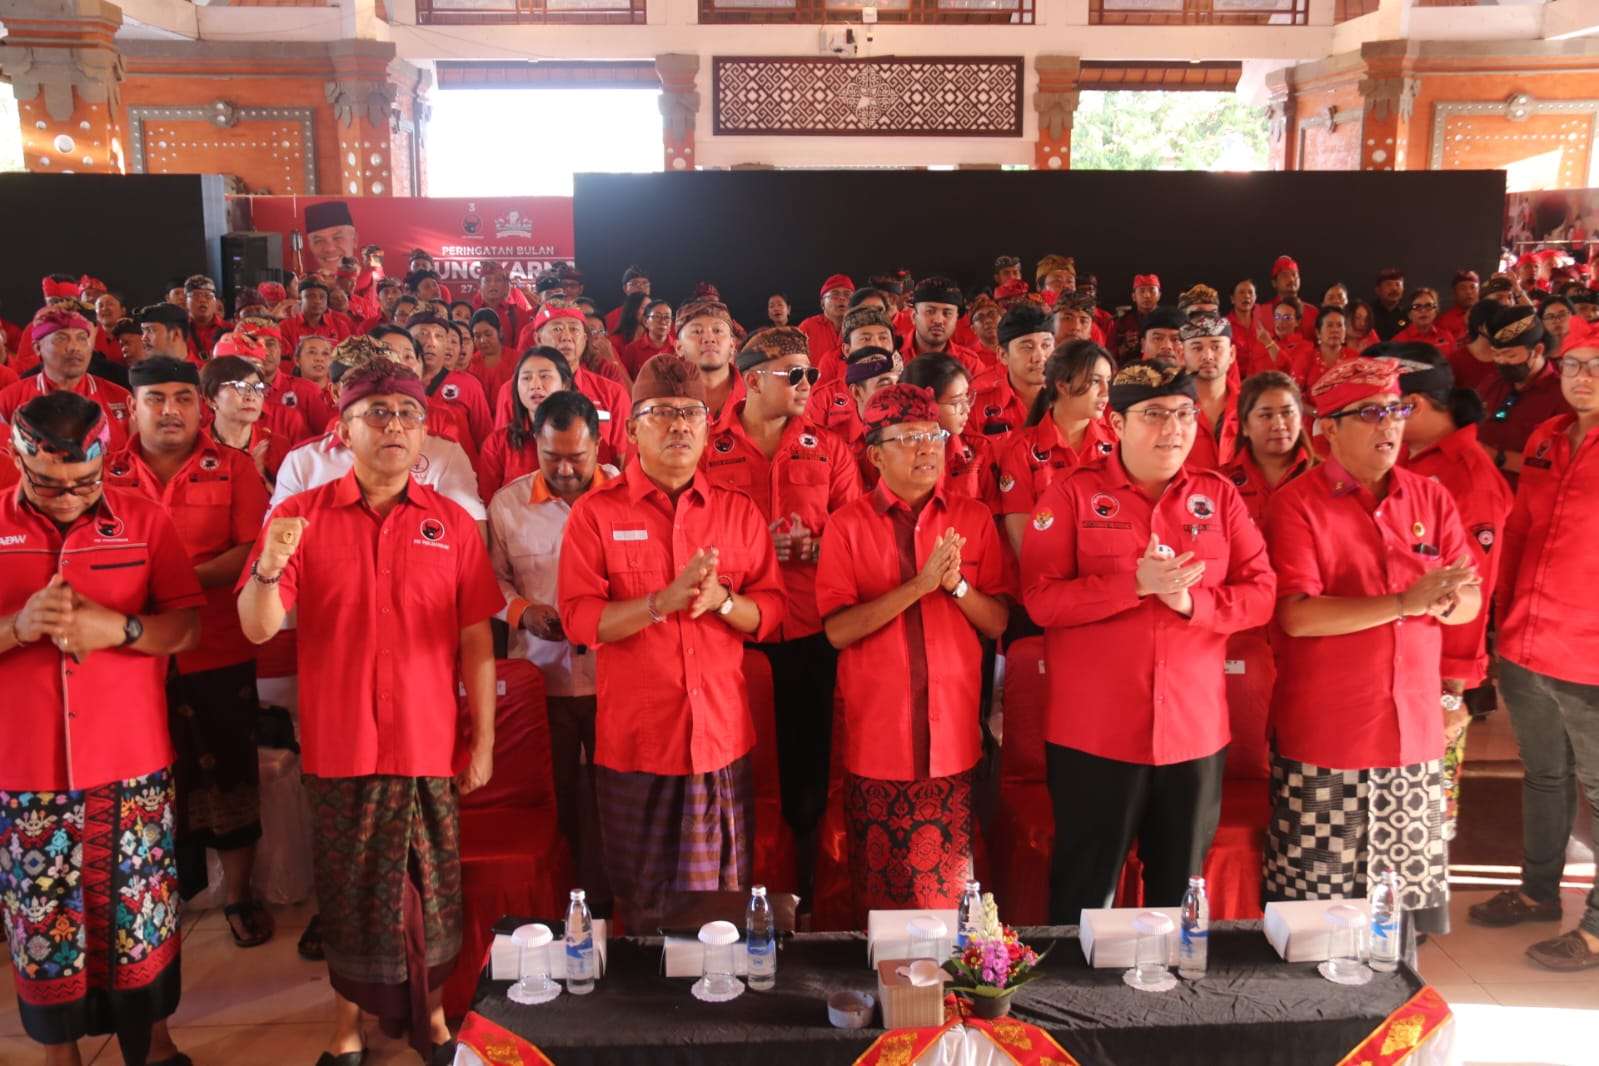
pixel 526 233
pixel 1022 1044
pixel 497 1045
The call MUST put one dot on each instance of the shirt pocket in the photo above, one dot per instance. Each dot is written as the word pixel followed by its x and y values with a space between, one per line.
pixel 636 568
pixel 117 578
pixel 1106 551
pixel 533 567
pixel 206 517
pixel 805 486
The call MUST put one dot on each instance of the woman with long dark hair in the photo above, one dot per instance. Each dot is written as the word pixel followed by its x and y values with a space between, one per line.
pixel 968 456
pixel 1065 427
pixel 630 322
pixel 509 451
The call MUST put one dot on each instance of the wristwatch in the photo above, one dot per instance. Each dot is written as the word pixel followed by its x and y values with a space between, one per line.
pixel 1451 702
pixel 960 591
pixel 132 630
pixel 727 605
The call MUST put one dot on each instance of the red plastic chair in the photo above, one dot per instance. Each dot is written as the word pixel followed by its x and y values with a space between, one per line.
pixel 513 857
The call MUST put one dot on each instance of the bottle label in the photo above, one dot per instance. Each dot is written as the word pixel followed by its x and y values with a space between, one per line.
pixel 1380 930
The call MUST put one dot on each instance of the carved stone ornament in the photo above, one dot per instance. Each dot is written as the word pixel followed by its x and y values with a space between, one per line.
pixel 94 73
pixel 1057 97
pixel 680 100
pixel 369 99
pixel 1277 118
pixel 1386 97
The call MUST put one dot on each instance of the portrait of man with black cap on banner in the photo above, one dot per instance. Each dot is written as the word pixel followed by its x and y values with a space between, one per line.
pixel 330 234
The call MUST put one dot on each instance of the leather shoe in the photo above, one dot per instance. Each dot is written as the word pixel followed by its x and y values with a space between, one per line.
pixel 1566 953
pixel 349 1058
pixel 1509 908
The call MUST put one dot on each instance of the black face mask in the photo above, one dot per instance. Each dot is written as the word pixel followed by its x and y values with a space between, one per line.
pixel 1515 373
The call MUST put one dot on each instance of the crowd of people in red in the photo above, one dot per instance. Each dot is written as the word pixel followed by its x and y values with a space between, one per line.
pixel 1352 522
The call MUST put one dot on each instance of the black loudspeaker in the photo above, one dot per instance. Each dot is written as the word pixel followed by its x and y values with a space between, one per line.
pixel 249 258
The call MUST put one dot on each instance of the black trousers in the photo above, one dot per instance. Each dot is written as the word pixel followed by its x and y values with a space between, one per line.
pixel 1102 806
pixel 804 672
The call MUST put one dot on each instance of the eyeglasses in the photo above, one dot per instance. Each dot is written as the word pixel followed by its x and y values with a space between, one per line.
pixel 381 417
pixel 1159 416
pixel 1424 307
pixel 665 415
pixel 1571 366
pixel 1374 413
pixel 916 440
pixel 659 316
pixel 795 375
pixel 46 491
pixel 962 403
pixel 246 388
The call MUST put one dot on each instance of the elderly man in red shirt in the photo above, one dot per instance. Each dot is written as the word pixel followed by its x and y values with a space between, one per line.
pixel 1003 396
pixel 915 579
pixel 394 592
pixel 798 474
pixel 62 340
pixel 824 331
pixel 96 593
pixel 1372 563
pixel 216 499
pixel 494 293
pixel 1548 627
pixel 666 576
pixel 1138 558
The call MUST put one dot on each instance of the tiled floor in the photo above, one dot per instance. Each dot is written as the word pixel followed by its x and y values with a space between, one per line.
pixel 267 1007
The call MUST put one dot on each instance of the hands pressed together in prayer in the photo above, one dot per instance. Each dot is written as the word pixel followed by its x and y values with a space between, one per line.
pixel 1168 577
pixel 943 567
pixel 77 625
pixel 1437 592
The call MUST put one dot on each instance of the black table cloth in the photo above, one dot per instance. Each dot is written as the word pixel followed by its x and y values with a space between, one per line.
pixel 1252 1008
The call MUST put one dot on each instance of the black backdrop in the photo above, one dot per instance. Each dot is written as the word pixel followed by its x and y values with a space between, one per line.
pixel 133 232
pixel 753 233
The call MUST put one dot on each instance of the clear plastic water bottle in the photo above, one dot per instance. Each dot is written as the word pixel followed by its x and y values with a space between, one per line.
pixel 969 914
pixel 580 967
pixel 760 941
pixel 1386 915
pixel 1193 950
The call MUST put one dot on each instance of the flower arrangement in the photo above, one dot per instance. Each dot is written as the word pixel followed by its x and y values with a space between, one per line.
pixel 994 962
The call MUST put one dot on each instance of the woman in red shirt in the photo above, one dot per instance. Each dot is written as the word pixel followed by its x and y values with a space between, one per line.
pixel 236 395
pixel 654 338
pixel 510 450
pixel 968 456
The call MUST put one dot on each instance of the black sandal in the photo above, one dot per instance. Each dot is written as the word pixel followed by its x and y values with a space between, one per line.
pixel 310 946
pixel 257 923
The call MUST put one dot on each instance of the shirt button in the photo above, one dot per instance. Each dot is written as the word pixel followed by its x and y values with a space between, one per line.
pixel 693 692
pixel 385 610
pixel 689 651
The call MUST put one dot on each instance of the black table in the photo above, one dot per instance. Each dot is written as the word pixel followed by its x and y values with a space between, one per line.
pixel 1252 1008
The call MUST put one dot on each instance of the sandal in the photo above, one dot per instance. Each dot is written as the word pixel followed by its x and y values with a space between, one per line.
pixel 257 923
pixel 310 946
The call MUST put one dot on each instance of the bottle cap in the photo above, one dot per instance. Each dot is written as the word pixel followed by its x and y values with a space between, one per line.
pixel 973 886
pixel 578 895
pixel 759 891
pixel 1196 882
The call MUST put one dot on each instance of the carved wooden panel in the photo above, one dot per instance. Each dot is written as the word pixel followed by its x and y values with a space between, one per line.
pixel 889 97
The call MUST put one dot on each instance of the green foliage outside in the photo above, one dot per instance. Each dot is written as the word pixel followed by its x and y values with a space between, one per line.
pixel 1168 131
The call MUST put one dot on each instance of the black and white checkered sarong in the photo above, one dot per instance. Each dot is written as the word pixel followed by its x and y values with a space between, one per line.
pixel 1334 831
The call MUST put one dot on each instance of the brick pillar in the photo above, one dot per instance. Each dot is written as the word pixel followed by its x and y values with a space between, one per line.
pixel 1388 98
pixel 65 68
pixel 362 97
pixel 1056 103
pixel 680 107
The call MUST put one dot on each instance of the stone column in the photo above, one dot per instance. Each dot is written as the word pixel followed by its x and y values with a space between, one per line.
pixel 362 97
pixel 64 66
pixel 1055 100
pixel 680 107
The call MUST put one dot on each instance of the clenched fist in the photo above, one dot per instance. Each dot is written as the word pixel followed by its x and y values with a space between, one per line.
pixel 279 543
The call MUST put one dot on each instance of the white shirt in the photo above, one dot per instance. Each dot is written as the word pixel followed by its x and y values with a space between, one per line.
pixel 440 465
pixel 525 547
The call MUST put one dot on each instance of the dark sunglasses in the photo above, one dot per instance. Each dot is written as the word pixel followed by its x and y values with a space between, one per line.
pixel 795 375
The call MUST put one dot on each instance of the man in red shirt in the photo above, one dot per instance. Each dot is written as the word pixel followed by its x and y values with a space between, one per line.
pixel 1465 287
pixel 62 340
pixel 935 313
pixel 495 294
pixel 868 369
pixel 915 578
pixel 633 280
pixel 1372 562
pixel 1524 394
pixel 216 499
pixel 1285 282
pixel 1388 310
pixel 458 389
pixel 867 323
pixel 824 330
pixel 394 592
pixel 1138 558
pixel 1160 335
pixel 798 474
pixel 705 338
pixel 96 593
pixel 1129 328
pixel 1208 355
pixel 314 316
pixel 206 323
pixel 1423 324
pixel 165 329
pixel 301 395
pixel 665 575
pixel 1548 623
pixel 1004 395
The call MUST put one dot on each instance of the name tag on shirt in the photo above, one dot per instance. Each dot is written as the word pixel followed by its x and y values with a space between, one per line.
pixel 1233 666
pixel 605 416
pixel 630 534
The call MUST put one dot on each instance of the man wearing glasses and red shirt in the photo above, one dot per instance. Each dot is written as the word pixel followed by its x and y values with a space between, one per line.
pixel 666 575
pixel 798 474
